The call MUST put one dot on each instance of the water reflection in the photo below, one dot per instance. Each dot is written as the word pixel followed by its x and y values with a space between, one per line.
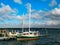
pixel 17 42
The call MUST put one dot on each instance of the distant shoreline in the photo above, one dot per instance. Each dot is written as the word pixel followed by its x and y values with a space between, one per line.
pixel 27 28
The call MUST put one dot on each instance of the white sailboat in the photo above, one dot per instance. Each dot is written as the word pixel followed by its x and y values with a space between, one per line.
pixel 30 35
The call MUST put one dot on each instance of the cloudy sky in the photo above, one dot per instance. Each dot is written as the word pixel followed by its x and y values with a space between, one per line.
pixel 44 13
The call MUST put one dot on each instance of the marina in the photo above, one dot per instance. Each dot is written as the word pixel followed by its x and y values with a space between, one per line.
pixel 52 38
pixel 29 22
pixel 9 34
pixel 6 35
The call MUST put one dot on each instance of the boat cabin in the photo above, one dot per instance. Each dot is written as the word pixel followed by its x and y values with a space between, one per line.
pixel 35 33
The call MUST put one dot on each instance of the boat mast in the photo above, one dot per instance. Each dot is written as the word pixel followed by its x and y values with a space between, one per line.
pixel 23 23
pixel 29 13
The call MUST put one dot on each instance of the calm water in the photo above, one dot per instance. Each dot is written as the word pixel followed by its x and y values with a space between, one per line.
pixel 53 38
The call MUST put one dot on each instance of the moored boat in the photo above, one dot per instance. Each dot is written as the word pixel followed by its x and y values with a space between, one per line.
pixel 30 35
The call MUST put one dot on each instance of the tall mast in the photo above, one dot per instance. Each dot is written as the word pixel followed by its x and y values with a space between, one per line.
pixel 29 13
pixel 23 23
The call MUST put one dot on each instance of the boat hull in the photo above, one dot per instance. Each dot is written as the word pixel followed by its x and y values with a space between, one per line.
pixel 26 38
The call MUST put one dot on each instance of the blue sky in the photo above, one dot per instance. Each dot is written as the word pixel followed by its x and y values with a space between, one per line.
pixel 44 13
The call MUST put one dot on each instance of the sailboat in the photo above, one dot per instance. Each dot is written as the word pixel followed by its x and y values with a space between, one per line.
pixel 27 35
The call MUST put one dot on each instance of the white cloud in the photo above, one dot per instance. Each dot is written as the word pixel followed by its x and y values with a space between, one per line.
pixel 52 22
pixel 19 17
pixel 36 16
pixel 52 18
pixel 53 14
pixel 6 12
pixel 56 11
pixel 18 1
pixel 6 9
pixel 53 3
